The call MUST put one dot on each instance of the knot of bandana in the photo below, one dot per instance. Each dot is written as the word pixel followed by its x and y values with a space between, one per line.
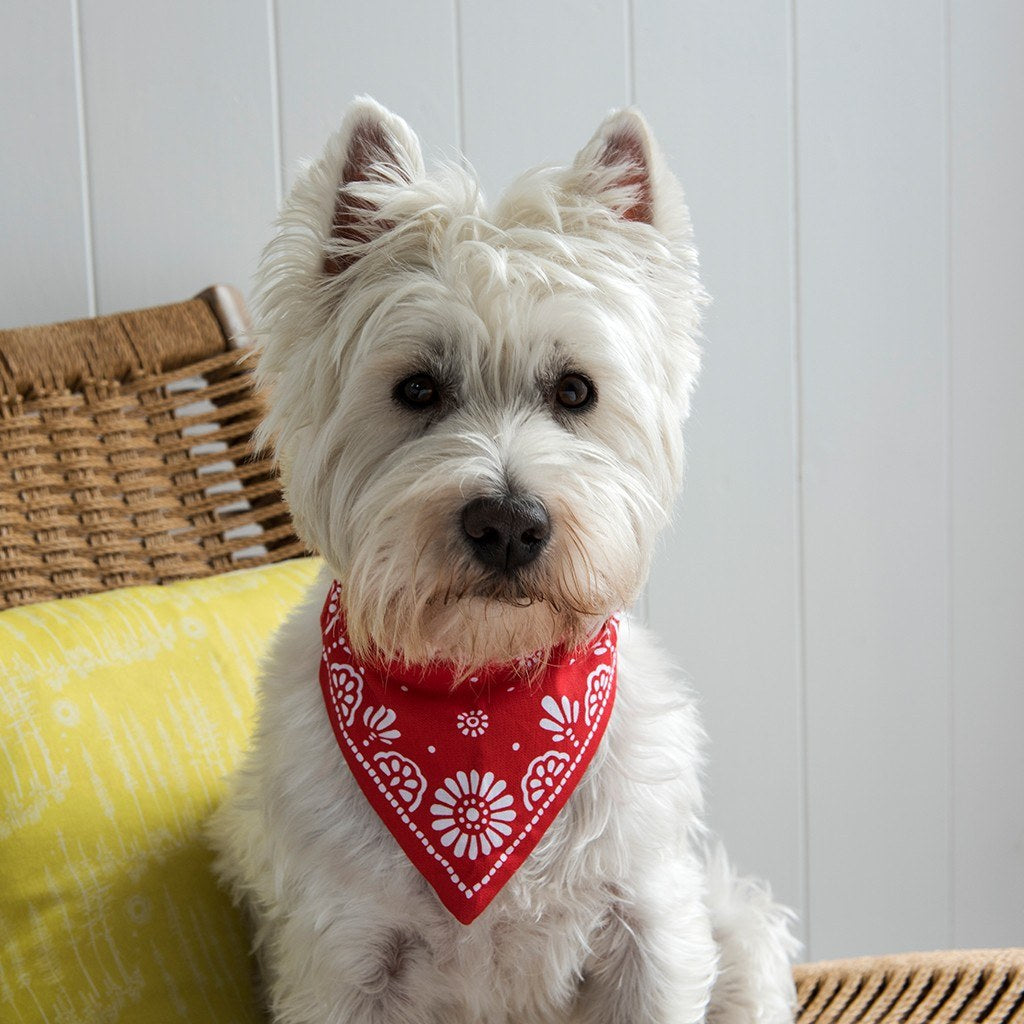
pixel 467 777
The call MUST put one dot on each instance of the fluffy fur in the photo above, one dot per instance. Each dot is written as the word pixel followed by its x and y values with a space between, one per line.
pixel 380 271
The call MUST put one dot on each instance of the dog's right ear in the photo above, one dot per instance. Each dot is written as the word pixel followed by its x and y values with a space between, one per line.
pixel 373 154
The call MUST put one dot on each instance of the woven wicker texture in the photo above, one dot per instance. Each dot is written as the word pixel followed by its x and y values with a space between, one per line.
pixel 959 985
pixel 125 454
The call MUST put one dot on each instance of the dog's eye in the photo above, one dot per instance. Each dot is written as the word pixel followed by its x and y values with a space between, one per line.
pixel 574 391
pixel 420 391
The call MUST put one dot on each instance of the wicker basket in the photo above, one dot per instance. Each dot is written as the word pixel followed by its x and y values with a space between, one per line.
pixel 127 456
pixel 127 459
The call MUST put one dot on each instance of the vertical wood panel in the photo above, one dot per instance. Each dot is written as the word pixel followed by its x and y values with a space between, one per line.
pixel 714 78
pixel 987 306
pixel 871 168
pixel 402 54
pixel 43 259
pixel 181 158
pixel 539 77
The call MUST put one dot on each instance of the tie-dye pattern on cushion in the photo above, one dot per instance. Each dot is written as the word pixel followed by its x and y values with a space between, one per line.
pixel 120 715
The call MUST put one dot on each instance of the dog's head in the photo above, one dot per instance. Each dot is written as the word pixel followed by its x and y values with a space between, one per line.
pixel 477 412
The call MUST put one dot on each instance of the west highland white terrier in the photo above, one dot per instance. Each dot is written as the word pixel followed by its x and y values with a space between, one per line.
pixel 474 792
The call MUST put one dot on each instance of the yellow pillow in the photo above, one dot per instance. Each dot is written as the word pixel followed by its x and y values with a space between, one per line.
pixel 120 714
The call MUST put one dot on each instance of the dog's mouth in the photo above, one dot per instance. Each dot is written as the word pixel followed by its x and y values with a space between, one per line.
pixel 515 589
pixel 518 590
pixel 512 589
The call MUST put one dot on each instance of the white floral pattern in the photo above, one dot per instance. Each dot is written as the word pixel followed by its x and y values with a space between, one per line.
pixel 472 723
pixel 378 722
pixel 599 685
pixel 608 641
pixel 561 719
pixel 473 811
pixel 530 662
pixel 402 777
pixel 542 776
pixel 347 685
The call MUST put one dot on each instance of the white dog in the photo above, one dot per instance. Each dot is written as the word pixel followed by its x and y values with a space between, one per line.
pixel 474 793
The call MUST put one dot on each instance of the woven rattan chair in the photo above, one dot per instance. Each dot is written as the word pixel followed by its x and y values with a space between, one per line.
pixel 126 454
pixel 983 985
pixel 126 459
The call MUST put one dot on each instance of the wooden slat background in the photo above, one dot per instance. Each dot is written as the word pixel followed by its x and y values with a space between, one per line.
pixel 845 581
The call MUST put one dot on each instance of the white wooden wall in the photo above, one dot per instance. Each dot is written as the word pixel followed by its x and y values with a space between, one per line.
pixel 845 584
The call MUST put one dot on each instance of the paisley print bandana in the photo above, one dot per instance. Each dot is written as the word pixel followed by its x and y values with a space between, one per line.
pixel 467 778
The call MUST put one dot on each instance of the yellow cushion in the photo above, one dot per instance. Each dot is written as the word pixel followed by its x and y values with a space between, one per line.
pixel 120 714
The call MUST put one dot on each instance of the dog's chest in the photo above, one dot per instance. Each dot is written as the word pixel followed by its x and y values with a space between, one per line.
pixel 343 865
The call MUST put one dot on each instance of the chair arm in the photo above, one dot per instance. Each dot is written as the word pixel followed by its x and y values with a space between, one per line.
pixel 955 985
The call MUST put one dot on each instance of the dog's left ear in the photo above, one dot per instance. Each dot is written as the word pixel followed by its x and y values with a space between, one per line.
pixel 623 167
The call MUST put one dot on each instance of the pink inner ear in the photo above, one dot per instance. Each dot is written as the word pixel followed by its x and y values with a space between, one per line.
pixel 371 145
pixel 626 148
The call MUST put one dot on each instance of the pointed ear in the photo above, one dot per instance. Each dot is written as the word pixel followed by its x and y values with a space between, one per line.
pixel 373 154
pixel 623 168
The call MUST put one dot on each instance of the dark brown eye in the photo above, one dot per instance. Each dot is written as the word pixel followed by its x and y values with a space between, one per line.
pixel 574 391
pixel 420 391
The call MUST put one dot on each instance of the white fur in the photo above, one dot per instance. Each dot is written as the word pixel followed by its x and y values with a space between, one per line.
pixel 619 915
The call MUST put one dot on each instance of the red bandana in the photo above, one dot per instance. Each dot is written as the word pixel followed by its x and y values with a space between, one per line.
pixel 468 779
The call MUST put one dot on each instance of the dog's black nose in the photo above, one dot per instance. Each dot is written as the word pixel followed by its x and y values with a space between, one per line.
pixel 508 532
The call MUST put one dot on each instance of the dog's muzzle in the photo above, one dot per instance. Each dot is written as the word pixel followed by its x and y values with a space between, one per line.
pixel 508 532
